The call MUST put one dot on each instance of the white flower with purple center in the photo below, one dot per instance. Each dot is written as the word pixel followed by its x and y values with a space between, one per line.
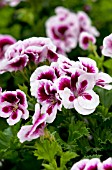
pixel 84 39
pixel 76 91
pixel 107 46
pixel 34 131
pixel 47 96
pixel 13 106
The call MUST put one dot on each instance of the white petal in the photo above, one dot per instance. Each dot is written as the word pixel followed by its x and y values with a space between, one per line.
pixel 89 104
pixel 82 110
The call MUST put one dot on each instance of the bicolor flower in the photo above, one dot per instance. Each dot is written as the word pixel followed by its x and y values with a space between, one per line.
pixel 13 106
pixel 107 46
pixel 89 65
pixel 34 131
pixel 92 164
pixel 103 80
pixel 39 49
pixel 76 91
pixel 47 96
pixel 85 24
pixel 5 42
pixel 80 165
pixel 105 165
pixel 63 29
pixel 84 39
pixel 43 72
pixel 15 59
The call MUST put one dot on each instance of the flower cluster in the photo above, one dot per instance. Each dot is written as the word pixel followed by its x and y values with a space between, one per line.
pixel 68 83
pixel 66 29
pixel 18 55
pixel 93 164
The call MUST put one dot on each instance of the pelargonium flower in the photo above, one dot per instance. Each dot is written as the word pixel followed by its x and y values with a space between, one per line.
pixel 102 79
pixel 35 49
pixel 43 72
pixel 63 29
pixel 30 132
pixel 13 106
pixel 39 49
pixel 5 42
pixel 85 24
pixel 92 164
pixel 80 165
pixel 76 92
pixel 105 165
pixel 107 46
pixel 84 39
pixel 47 96
pixel 89 65
pixel 15 58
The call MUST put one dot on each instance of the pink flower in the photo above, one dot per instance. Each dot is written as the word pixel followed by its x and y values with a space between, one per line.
pixel 30 132
pixel 63 29
pixel 84 40
pixel 13 105
pixel 107 46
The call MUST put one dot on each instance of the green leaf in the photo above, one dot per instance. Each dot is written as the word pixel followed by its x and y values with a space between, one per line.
pixel 5 138
pixel 77 130
pixel 47 150
pixel 67 156
pixel 108 64
pixel 105 96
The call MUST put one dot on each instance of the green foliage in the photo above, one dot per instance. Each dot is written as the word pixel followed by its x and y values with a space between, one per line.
pixel 52 154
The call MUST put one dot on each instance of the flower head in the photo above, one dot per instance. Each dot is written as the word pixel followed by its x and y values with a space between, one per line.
pixel 13 105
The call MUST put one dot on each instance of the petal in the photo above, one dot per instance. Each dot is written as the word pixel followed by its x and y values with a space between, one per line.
pixel 89 64
pixel 9 96
pixel 92 164
pixel 80 165
pixel 22 98
pixel 23 133
pixel 5 109
pixel 43 72
pixel 62 82
pixel 18 63
pixel 88 100
pixel 14 117
pixel 85 82
pixel 82 110
pixel 51 111
pixel 67 98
